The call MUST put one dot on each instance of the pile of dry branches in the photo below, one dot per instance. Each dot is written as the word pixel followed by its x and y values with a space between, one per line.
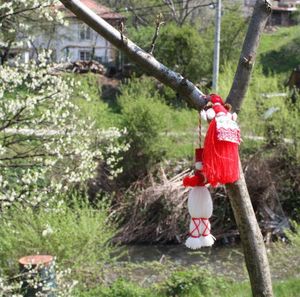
pixel 81 67
pixel 155 209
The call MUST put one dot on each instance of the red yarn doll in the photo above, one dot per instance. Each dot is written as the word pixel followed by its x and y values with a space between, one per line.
pixel 220 155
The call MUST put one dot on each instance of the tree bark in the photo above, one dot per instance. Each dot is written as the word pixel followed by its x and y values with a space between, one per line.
pixel 252 240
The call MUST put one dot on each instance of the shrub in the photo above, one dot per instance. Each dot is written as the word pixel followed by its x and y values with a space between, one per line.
pixel 75 233
pixel 119 288
pixel 145 118
pixel 190 282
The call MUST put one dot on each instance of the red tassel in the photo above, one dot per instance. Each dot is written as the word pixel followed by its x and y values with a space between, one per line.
pixel 220 158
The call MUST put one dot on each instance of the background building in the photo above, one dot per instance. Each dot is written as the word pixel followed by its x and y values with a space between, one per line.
pixel 76 41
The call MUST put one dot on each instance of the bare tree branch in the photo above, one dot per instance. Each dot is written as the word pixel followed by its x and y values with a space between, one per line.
pixel 172 8
pixel 3 16
pixel 159 22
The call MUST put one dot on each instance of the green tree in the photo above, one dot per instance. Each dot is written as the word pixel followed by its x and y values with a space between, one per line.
pixel 234 26
pixel 181 48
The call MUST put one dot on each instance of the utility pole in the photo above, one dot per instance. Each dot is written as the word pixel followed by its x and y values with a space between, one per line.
pixel 217 47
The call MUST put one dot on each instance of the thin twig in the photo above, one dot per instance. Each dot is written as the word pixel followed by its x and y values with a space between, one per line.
pixel 159 22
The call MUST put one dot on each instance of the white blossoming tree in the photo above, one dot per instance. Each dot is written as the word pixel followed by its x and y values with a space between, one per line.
pixel 18 23
pixel 45 149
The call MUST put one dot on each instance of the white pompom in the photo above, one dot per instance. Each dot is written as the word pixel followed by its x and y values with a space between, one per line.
pixel 200 228
pixel 210 114
pixel 203 115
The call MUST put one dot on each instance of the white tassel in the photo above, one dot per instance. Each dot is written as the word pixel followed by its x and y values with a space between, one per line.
pixel 193 243
pixel 200 208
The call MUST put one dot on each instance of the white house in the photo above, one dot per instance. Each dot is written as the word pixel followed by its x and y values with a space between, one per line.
pixel 281 11
pixel 76 41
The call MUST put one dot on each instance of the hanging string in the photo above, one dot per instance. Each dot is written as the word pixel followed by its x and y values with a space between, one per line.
pixel 199 130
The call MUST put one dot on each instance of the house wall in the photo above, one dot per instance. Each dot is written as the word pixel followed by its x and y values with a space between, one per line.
pixel 66 43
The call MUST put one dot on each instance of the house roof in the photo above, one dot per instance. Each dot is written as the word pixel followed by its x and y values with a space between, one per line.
pixel 99 9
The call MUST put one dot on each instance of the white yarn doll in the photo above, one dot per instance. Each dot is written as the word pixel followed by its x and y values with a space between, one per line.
pixel 200 207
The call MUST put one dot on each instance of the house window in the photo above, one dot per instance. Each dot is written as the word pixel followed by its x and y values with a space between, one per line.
pixel 85 32
pixel 85 55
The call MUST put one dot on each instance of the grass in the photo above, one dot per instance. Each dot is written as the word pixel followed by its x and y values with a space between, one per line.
pixel 277 39
pixel 284 288
pixel 279 51
pixel 216 287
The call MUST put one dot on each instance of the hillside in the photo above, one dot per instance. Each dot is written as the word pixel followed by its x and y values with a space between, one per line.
pixel 279 51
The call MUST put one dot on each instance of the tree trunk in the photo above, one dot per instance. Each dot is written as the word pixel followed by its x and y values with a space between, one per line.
pixel 252 240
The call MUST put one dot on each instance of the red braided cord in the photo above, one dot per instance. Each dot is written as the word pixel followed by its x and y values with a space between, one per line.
pixel 197 222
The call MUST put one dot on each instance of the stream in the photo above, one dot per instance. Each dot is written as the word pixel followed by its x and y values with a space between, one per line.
pixel 225 261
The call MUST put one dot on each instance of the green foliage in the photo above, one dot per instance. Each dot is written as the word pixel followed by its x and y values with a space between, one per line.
pixel 75 233
pixel 275 40
pixel 295 16
pixel 87 95
pixel 145 118
pixel 256 116
pixel 233 30
pixel 180 48
pixel 189 282
pixel 119 288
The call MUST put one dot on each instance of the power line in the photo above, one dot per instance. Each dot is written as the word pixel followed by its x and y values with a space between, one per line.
pixel 177 10
pixel 129 9
pixel 158 5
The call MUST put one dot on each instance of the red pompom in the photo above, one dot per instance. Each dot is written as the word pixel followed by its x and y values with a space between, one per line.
pixel 197 180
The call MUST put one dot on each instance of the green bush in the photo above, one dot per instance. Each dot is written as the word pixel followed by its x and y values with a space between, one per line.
pixel 76 234
pixel 119 288
pixel 190 282
pixel 145 117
